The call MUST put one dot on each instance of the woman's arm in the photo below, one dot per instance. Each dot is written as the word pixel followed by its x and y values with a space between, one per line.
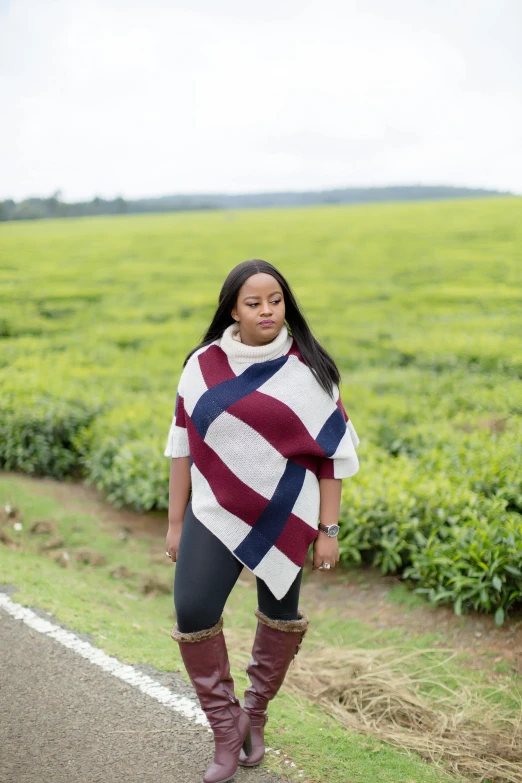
pixel 326 549
pixel 179 489
pixel 330 492
pixel 179 493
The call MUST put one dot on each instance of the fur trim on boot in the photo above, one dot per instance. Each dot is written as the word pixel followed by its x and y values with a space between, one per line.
pixel 196 636
pixel 288 626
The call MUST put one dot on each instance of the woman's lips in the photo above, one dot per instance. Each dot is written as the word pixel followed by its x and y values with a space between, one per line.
pixel 266 323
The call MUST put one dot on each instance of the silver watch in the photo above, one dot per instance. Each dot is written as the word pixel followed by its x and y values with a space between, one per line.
pixel 330 530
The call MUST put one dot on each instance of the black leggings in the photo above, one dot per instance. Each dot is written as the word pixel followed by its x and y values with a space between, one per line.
pixel 206 572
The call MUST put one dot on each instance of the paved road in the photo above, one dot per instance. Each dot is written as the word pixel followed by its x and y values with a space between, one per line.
pixel 64 720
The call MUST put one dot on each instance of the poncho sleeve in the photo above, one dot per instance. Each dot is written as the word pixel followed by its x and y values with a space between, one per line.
pixel 177 443
pixel 343 463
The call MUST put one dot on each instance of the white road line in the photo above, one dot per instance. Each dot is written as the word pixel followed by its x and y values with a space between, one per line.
pixel 185 706
pixel 182 704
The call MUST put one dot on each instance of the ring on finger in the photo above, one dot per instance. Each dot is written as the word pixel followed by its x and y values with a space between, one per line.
pixel 324 566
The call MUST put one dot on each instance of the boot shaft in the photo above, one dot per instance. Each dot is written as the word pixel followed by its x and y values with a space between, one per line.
pixel 276 644
pixel 205 657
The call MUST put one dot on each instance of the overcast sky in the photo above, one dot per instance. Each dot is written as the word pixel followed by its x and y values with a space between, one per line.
pixel 153 97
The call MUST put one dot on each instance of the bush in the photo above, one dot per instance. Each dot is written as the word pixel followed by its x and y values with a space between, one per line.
pixel 476 564
pixel 40 435
pixel 123 456
pixel 134 473
pixel 459 546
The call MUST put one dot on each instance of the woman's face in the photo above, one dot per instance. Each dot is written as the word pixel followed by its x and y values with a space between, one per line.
pixel 260 309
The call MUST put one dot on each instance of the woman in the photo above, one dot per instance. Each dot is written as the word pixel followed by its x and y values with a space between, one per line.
pixel 261 440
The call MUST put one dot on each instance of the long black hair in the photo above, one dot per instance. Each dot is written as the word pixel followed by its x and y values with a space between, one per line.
pixel 314 355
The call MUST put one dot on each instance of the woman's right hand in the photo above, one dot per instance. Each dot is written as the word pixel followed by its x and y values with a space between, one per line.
pixel 172 540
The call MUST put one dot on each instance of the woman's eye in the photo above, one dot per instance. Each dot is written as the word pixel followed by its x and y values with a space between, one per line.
pixel 255 304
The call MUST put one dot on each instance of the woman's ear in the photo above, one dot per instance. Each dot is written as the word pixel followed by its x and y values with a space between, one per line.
pixel 234 314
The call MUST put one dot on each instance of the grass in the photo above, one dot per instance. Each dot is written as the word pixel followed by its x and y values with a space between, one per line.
pixel 399 594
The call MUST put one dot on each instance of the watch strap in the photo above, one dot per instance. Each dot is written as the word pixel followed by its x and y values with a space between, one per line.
pixel 325 528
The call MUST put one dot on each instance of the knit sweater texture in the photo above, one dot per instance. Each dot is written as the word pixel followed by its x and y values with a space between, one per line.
pixel 260 433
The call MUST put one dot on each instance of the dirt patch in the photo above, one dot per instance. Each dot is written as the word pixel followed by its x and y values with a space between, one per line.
pixel 62 558
pixel 150 585
pixel 6 540
pixel 76 496
pixel 122 572
pixel 53 543
pixel 90 557
pixel 365 595
pixel 43 527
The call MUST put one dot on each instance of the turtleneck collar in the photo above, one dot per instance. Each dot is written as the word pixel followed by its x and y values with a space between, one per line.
pixel 240 352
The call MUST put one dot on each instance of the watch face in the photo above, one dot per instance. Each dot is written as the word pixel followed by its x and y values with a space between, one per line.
pixel 333 530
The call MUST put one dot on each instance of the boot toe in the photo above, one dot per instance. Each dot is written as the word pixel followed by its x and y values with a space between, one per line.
pixel 218 774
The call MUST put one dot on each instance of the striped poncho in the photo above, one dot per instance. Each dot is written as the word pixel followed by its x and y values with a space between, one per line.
pixel 260 432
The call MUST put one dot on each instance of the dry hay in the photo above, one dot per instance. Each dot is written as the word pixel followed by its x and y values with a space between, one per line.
pixel 62 557
pixel 6 540
pixel 151 586
pixel 90 557
pixel 369 691
pixel 121 572
pixel 43 527
pixel 53 543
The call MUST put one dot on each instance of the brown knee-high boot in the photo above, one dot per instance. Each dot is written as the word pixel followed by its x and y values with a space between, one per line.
pixel 205 657
pixel 276 643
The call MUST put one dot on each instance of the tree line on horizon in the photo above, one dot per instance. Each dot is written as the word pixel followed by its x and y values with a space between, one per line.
pixel 37 208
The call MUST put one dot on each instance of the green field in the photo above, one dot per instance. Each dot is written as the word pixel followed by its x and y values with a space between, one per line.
pixel 420 304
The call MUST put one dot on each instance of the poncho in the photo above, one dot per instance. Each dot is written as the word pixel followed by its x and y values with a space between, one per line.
pixel 260 432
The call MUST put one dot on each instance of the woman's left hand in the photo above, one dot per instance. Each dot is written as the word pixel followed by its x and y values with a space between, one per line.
pixel 326 550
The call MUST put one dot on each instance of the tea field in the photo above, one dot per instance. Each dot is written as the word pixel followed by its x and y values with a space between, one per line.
pixel 420 304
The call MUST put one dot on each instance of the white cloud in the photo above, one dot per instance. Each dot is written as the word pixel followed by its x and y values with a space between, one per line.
pixel 125 97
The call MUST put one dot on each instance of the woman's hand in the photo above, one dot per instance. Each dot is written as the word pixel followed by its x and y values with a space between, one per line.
pixel 326 550
pixel 172 540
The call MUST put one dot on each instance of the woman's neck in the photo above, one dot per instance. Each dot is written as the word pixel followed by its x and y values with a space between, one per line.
pixel 232 345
